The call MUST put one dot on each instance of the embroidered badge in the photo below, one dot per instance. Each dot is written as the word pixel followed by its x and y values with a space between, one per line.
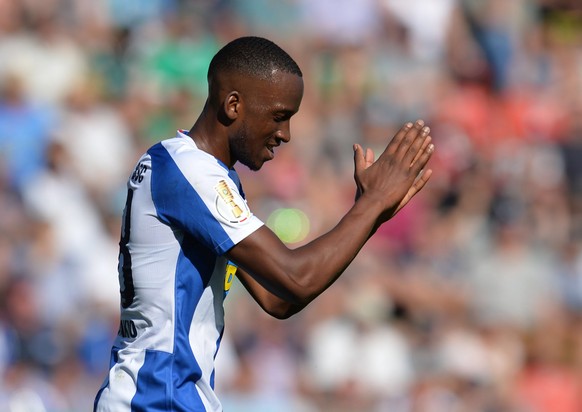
pixel 230 205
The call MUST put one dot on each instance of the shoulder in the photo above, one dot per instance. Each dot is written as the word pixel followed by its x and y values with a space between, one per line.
pixel 180 155
pixel 180 170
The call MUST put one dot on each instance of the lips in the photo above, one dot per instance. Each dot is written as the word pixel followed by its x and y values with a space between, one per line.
pixel 271 147
pixel 271 152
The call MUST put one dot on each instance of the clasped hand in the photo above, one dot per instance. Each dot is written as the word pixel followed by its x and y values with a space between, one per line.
pixel 399 172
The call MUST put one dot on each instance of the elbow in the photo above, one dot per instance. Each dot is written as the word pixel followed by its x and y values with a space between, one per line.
pixel 301 293
pixel 281 315
pixel 291 297
pixel 288 298
pixel 282 310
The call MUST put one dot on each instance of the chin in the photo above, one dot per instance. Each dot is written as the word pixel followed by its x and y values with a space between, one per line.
pixel 254 166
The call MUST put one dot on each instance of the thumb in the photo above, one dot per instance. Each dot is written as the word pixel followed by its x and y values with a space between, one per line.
pixel 359 159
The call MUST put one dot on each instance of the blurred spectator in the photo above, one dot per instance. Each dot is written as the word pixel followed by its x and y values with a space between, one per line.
pixel 178 58
pixel 549 381
pixel 67 220
pixel 48 61
pixel 427 23
pixel 96 140
pixel 568 276
pixel 510 285
pixel 25 129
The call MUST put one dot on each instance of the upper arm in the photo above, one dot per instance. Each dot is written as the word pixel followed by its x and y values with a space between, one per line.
pixel 267 263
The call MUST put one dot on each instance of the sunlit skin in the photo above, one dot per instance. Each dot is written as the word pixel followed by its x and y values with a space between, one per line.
pixel 244 120
pixel 255 119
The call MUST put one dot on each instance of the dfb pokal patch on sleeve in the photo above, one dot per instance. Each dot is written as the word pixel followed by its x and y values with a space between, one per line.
pixel 230 205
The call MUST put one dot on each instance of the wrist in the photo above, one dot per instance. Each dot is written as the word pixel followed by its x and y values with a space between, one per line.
pixel 372 205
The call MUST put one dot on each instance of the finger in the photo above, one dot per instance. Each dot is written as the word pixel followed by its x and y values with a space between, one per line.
pixel 422 160
pixel 412 142
pixel 398 137
pixel 369 157
pixel 416 187
pixel 423 148
pixel 419 183
pixel 423 177
pixel 359 159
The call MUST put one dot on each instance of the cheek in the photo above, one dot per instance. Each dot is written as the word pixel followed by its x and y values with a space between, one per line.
pixel 258 137
pixel 257 131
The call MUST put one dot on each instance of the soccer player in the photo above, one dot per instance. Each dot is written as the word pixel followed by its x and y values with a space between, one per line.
pixel 187 230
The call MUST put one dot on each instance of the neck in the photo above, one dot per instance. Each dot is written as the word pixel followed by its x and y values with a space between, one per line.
pixel 210 136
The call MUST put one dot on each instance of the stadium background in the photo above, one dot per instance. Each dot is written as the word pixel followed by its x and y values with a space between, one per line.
pixel 471 300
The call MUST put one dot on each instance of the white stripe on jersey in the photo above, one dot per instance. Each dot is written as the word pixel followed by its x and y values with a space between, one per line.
pixel 122 377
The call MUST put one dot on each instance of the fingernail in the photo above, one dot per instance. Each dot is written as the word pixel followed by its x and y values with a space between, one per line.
pixel 426 130
pixel 430 148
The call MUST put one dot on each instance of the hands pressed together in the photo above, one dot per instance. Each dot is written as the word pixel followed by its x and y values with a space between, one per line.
pixel 398 174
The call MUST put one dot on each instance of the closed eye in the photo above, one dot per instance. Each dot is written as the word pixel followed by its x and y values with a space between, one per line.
pixel 282 116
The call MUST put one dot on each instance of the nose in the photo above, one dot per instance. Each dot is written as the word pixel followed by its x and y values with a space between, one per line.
pixel 284 133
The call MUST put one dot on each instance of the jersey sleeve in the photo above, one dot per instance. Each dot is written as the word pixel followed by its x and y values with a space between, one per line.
pixel 194 193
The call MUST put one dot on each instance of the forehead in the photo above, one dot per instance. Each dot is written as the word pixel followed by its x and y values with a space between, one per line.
pixel 283 91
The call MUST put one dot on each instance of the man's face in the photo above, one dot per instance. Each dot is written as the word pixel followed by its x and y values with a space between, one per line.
pixel 267 109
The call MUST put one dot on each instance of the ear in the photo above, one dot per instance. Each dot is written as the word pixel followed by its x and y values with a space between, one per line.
pixel 232 105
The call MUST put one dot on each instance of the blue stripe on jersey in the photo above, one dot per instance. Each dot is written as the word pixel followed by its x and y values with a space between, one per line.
pixel 178 203
pixel 234 176
pixel 152 376
pixel 216 353
pixel 201 258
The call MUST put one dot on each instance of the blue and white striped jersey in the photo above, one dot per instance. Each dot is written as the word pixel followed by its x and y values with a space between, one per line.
pixel 184 210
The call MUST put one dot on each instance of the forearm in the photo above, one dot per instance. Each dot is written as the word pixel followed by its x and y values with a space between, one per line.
pixel 299 275
pixel 321 262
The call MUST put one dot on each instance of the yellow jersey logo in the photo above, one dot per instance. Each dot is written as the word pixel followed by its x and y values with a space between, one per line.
pixel 229 276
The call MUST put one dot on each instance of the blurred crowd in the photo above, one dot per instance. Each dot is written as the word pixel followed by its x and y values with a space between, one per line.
pixel 470 300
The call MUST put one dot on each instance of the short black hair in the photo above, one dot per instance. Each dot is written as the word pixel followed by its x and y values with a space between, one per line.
pixel 252 56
